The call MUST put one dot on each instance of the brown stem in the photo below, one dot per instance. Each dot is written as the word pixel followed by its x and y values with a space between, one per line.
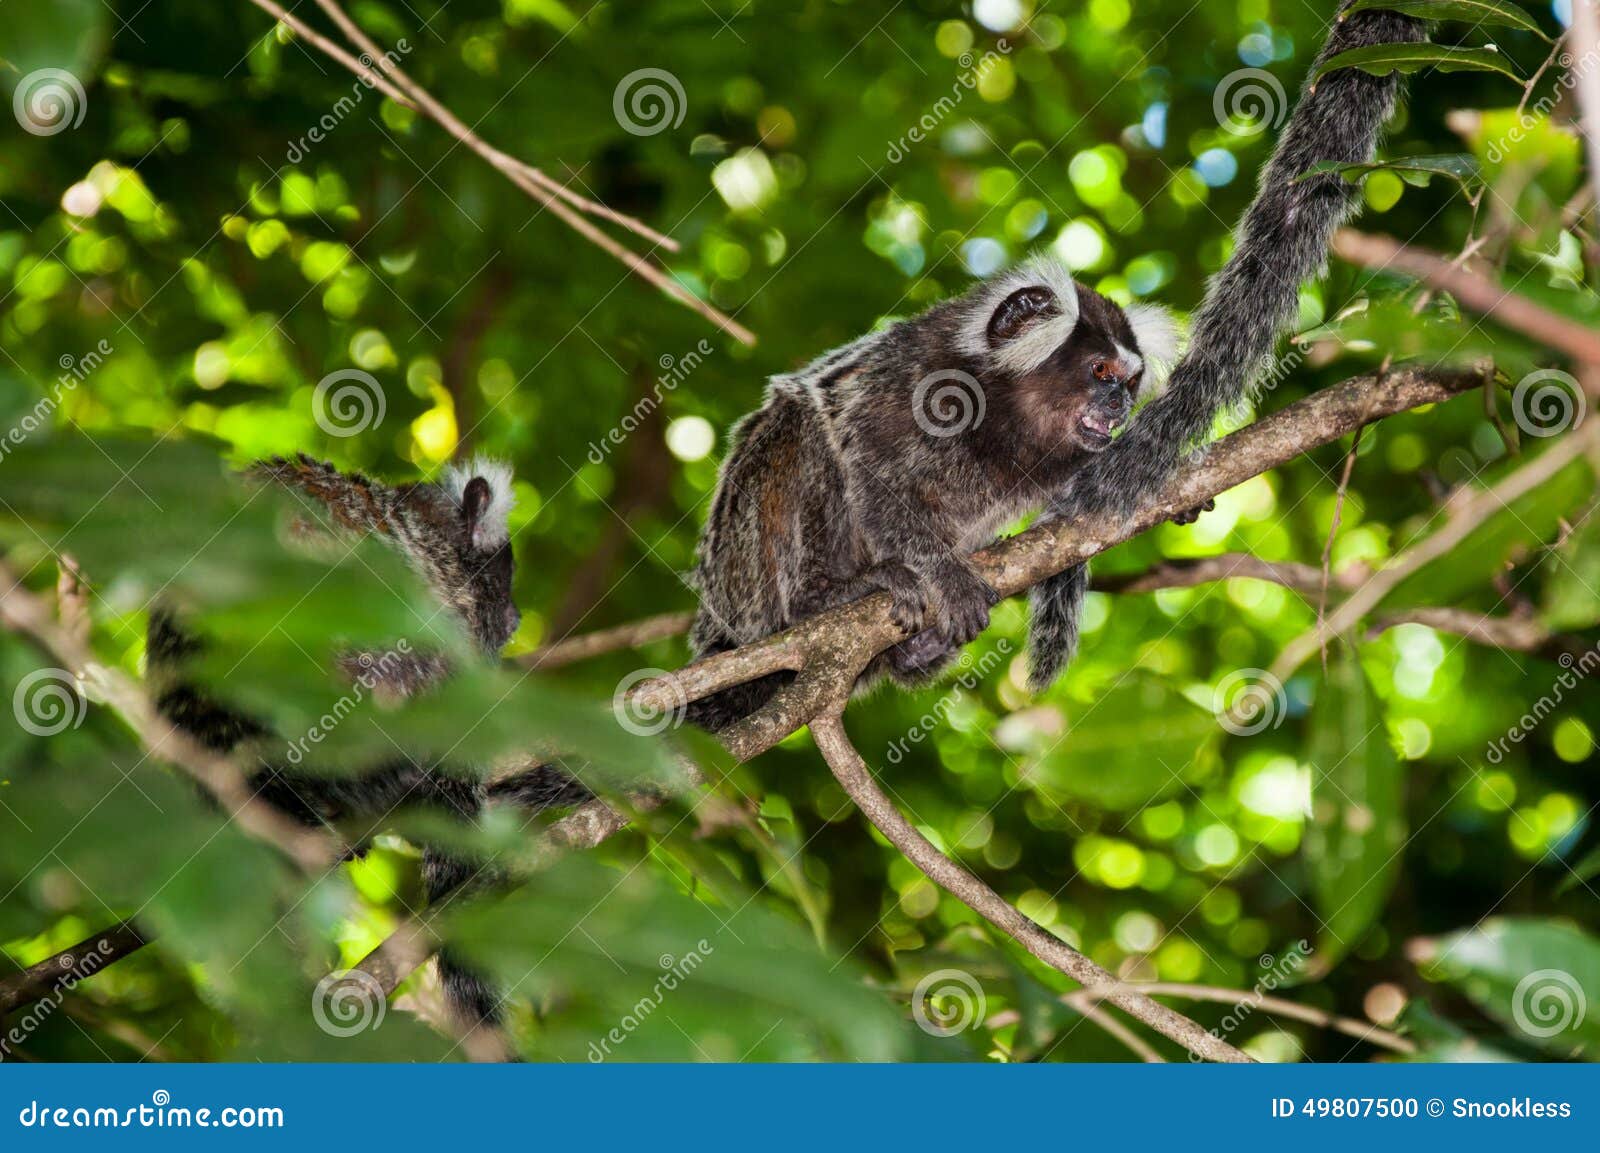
pixel 1518 634
pixel 626 636
pixel 68 967
pixel 24 613
pixel 853 776
pixel 560 201
pixel 1468 510
pixel 1476 292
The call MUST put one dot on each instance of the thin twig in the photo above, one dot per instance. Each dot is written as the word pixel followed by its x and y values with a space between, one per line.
pixel 1515 634
pixel 1333 533
pixel 317 40
pixel 568 206
pixel 1469 509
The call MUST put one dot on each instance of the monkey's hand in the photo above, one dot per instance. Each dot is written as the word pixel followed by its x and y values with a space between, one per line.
pixel 960 599
pixel 908 600
pixel 946 597
pixel 1189 516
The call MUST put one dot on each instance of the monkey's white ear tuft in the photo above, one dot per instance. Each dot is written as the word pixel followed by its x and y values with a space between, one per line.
pixel 1020 317
pixel 1156 331
pixel 481 488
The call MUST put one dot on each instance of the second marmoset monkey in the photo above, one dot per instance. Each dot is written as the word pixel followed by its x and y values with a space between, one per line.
pixel 883 464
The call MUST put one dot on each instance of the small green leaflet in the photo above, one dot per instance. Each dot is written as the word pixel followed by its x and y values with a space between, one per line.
pixel 1418 171
pixel 1382 59
pixel 1474 12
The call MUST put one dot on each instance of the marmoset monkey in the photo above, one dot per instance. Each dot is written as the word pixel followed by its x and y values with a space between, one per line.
pixel 454 534
pixel 883 464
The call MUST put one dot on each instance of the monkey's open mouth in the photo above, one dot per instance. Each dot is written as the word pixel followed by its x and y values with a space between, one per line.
pixel 1097 429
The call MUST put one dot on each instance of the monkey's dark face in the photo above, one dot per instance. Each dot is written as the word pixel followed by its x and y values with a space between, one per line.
pixel 1084 390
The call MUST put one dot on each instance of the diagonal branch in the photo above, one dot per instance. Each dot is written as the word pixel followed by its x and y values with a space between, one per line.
pixel 1476 292
pixel 856 780
pixel 827 652
pixel 378 69
pixel 22 612
pixel 1468 510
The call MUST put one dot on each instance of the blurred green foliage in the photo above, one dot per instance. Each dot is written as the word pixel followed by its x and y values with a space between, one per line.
pixel 235 218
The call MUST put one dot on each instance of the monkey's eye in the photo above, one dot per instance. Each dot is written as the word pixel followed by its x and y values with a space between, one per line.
pixel 1101 370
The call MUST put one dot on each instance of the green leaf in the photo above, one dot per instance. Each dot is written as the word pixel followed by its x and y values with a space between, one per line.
pixel 1587 867
pixel 1353 845
pixel 1474 12
pixel 1572 578
pixel 1102 759
pixel 638 971
pixel 64 34
pixel 1382 59
pixel 1509 536
pixel 1538 978
pixel 1414 170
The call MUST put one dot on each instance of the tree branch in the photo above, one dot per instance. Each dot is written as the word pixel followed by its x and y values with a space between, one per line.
pixel 566 205
pixel 1214 994
pixel 1468 509
pixel 632 635
pixel 68 967
pixel 1518 634
pixel 24 613
pixel 1384 253
pixel 828 651
pixel 856 780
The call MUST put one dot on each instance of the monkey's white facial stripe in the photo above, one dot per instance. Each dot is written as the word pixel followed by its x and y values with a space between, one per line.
pixel 1131 362
pixel 1033 346
pixel 1156 333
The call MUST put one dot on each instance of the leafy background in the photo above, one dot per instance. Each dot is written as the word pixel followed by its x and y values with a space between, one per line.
pixel 230 264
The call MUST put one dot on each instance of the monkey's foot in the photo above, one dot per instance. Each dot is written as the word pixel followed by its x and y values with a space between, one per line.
pixel 920 654
pixel 1189 516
